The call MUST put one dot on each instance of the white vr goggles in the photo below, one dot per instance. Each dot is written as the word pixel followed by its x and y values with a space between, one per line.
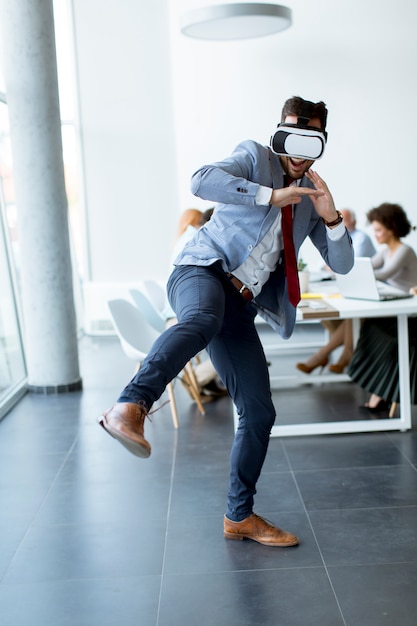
pixel 299 142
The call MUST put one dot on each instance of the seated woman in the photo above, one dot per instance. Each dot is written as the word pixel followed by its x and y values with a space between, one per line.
pixel 374 365
pixel 396 265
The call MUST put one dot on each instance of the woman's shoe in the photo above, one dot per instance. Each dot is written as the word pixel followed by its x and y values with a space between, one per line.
pixel 338 368
pixel 307 369
pixel 382 405
pixel 214 389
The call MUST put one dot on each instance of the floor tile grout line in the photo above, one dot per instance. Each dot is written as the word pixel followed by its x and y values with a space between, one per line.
pixel 30 523
pixel 174 458
pixel 409 461
pixel 349 468
pixel 314 535
pixel 365 508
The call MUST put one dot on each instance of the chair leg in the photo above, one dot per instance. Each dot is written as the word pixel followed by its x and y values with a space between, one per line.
pixel 193 392
pixel 191 377
pixel 170 390
pixel 194 389
pixel 393 409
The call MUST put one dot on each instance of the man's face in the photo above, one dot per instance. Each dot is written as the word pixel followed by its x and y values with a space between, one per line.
pixel 296 168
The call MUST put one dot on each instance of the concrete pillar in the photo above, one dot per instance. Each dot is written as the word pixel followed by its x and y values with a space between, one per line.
pixel 29 62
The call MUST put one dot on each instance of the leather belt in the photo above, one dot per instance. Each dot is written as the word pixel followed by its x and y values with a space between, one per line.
pixel 241 287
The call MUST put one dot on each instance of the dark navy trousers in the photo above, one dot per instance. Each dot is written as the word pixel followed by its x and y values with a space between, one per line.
pixel 213 315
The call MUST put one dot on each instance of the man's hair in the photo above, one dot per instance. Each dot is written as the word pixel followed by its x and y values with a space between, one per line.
pixel 393 217
pixel 294 105
pixel 350 213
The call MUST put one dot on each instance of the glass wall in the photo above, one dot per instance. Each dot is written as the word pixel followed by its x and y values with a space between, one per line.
pixel 70 135
pixel 12 361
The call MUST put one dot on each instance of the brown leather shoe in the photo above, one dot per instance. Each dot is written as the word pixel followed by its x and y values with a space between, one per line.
pixel 258 529
pixel 125 422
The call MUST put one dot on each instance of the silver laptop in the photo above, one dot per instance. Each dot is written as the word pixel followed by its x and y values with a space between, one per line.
pixel 361 283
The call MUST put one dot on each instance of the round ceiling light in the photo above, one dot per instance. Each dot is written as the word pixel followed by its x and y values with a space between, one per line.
pixel 235 21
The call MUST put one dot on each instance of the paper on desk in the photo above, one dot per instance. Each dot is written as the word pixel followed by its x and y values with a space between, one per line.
pixel 317 309
pixel 309 295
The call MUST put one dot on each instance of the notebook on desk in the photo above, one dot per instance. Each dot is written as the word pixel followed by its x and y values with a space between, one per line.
pixel 360 283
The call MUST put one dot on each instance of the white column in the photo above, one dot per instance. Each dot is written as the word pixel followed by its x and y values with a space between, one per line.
pixel 29 61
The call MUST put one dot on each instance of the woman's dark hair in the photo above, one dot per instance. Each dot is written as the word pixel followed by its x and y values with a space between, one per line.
pixel 392 216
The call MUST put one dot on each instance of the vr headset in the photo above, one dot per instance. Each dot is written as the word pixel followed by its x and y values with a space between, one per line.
pixel 299 140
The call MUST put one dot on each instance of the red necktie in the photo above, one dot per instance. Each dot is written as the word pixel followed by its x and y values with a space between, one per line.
pixel 291 270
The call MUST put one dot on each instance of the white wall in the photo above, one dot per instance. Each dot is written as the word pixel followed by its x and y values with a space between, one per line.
pixel 146 130
pixel 123 59
pixel 359 56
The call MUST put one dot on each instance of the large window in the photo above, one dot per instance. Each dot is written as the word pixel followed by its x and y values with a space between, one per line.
pixel 70 135
pixel 12 362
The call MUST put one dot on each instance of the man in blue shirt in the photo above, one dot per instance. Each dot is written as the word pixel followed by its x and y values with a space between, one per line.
pixel 232 270
pixel 362 243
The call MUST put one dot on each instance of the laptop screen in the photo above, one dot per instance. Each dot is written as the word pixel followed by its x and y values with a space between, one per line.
pixel 361 283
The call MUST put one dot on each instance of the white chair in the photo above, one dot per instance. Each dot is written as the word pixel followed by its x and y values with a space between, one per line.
pixel 152 315
pixel 136 337
pixel 156 293
pixel 158 322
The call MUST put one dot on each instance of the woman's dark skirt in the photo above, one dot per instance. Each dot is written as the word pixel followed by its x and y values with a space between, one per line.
pixel 374 365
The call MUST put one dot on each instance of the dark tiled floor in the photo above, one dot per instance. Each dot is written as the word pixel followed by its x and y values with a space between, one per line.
pixel 92 536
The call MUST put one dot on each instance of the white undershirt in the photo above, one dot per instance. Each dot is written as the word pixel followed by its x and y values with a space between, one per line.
pixel 255 270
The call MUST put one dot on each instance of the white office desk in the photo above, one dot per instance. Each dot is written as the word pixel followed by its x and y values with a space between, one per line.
pixel 356 309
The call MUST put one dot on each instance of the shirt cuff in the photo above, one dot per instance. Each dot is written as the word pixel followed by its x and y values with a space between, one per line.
pixel 263 195
pixel 336 233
